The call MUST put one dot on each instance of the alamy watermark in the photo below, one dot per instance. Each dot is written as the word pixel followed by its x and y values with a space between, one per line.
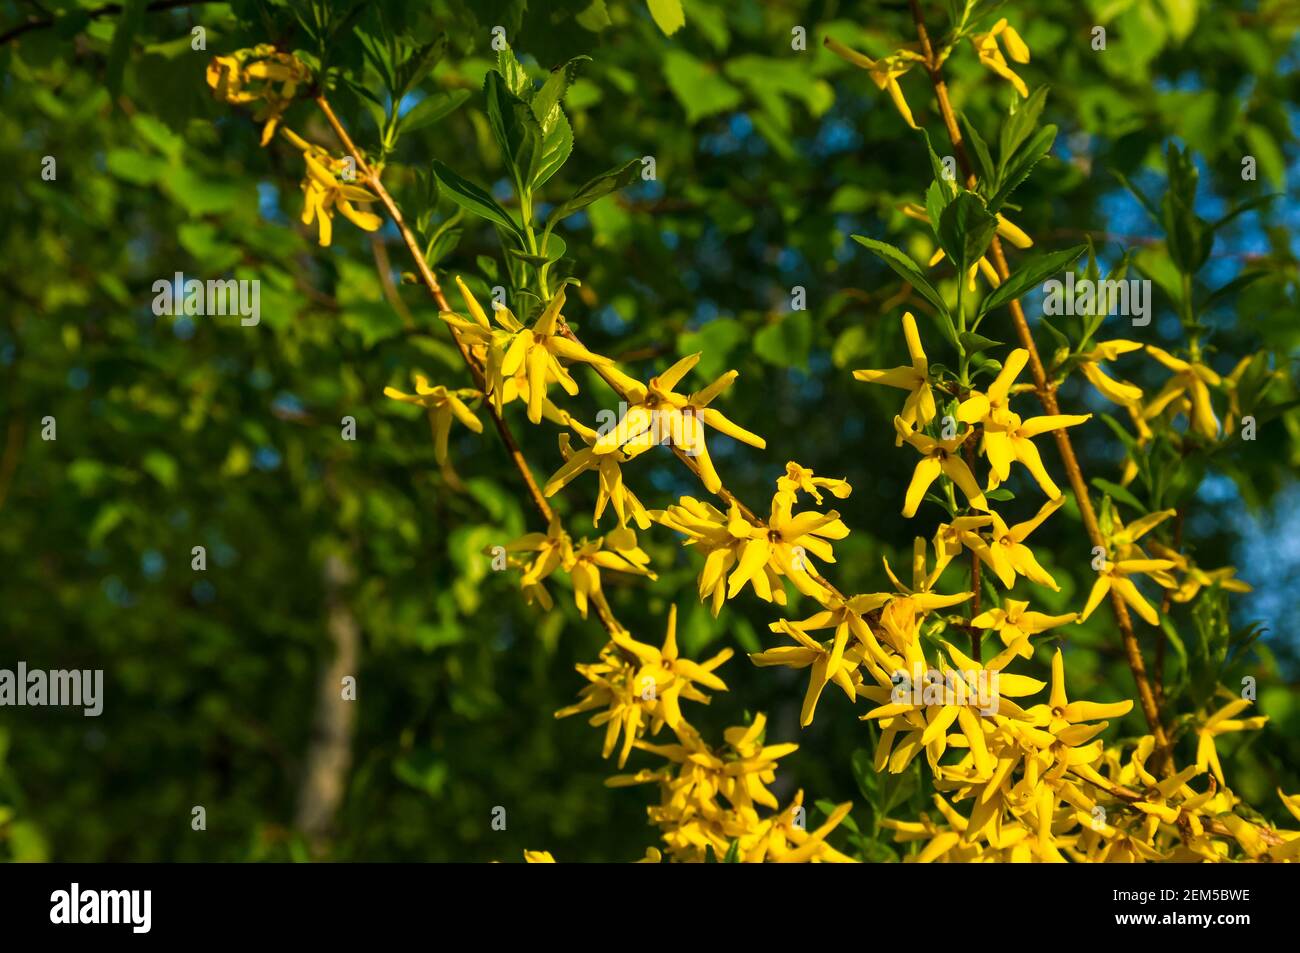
pixel 77 688
pixel 1084 296
pixel 672 427
pixel 978 689
pixel 191 296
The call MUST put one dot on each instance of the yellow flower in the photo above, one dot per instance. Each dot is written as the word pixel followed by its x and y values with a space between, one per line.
pixel 938 456
pixel 659 413
pixel 1064 718
pixel 611 686
pixel 1014 625
pixel 802 479
pixel 665 675
pixel 1013 441
pixel 966 693
pixel 986 45
pixel 445 405
pixel 1223 722
pixel 993 407
pixel 919 408
pixel 919 594
pixel 784 841
pixel 884 72
pixel 589 558
pixel 538 857
pixel 324 191
pixel 612 488
pixel 259 73
pixel 754 552
pixel 512 349
pixel 829 662
pixel 1195 578
pixel 720 538
pixel 554 550
pixel 1189 380
pixel 1115 575
pixel 1117 392
pixel 1006 553
pixel 1007 438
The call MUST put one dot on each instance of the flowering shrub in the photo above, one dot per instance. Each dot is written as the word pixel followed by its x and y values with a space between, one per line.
pixel 938 662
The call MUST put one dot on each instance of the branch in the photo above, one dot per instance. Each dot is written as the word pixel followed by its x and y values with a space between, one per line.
pixel 1047 397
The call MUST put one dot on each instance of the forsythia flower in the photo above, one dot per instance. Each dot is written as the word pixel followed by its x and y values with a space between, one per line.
pixel 884 72
pixel 250 75
pixel 607 464
pixel 754 552
pixel 938 456
pixel 1007 438
pixel 445 405
pixel 710 799
pixel 802 479
pixel 538 857
pixel 1115 575
pixel 555 550
pixel 512 349
pixel 1189 382
pixel 667 676
pixel 919 408
pixel 659 413
pixel 1223 722
pixel 1117 392
pixel 324 191
pixel 1006 553
pixel 1015 625
pixel 986 45
pixel 829 663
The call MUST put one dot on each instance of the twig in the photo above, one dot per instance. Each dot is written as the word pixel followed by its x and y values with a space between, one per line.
pixel 1047 397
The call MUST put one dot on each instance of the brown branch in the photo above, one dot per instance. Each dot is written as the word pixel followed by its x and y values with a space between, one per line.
pixel 435 289
pixel 1047 396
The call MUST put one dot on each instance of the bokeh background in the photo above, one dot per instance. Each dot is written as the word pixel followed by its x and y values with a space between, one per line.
pixel 177 432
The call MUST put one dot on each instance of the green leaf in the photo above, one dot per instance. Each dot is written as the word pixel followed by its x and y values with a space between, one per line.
pixel 1117 492
pixel 1021 164
pixel 965 229
pixel 514 127
pixel 433 109
pixel 420 64
pixel 973 343
pixel 512 72
pixel 1032 272
pixel 546 104
pixel 1019 124
pixel 786 342
pixel 127 25
pixel 473 199
pixel 986 170
pixel 555 149
pixel 668 15
pixel 908 270
pixel 699 88
pixel 595 189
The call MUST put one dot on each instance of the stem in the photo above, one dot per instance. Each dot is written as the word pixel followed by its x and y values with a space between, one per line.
pixel 435 289
pixel 1047 397
pixel 976 641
